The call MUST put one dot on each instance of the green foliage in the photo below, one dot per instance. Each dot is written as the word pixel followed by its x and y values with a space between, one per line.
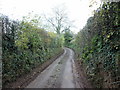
pixel 25 46
pixel 98 44
pixel 68 36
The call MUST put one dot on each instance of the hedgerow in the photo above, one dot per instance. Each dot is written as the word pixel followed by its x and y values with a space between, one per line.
pixel 98 46
pixel 25 45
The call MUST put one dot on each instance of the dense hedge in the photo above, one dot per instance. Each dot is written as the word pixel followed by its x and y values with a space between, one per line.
pixel 25 46
pixel 68 37
pixel 98 46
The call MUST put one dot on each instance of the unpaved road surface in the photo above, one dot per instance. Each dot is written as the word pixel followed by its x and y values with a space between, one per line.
pixel 57 75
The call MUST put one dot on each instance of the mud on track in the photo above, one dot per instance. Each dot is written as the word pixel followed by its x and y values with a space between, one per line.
pixel 57 75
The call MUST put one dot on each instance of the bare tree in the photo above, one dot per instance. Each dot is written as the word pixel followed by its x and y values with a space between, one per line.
pixel 59 20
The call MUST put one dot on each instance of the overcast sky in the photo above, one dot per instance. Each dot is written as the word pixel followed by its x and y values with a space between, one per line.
pixel 78 10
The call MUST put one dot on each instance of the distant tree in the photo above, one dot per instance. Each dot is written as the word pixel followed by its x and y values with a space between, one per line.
pixel 59 20
pixel 68 36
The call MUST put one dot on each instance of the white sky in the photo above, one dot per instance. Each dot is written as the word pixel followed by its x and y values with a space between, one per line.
pixel 78 10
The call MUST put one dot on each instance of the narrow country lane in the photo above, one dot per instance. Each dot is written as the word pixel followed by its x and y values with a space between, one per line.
pixel 57 75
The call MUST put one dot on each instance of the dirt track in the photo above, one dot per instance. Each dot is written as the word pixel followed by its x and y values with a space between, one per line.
pixel 57 75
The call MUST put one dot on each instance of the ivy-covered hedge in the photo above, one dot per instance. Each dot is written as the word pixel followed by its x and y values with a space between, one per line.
pixel 26 45
pixel 98 46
